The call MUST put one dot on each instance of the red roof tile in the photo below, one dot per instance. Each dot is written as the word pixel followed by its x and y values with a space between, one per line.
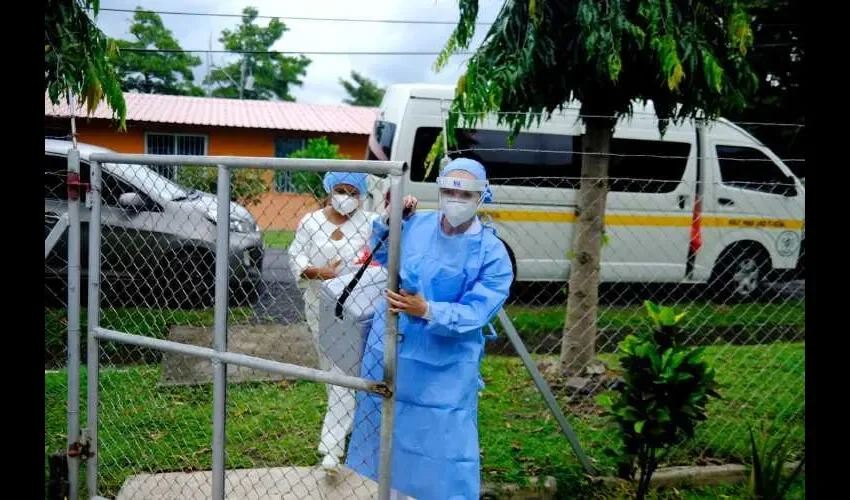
pixel 217 112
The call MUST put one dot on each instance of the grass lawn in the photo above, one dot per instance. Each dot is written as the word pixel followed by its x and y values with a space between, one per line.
pixel 138 321
pixel 145 428
pixel 699 314
pixel 278 239
pixel 540 327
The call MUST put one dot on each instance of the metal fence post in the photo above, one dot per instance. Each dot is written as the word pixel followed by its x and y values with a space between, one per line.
pixel 391 339
pixel 220 333
pixel 73 320
pixel 93 321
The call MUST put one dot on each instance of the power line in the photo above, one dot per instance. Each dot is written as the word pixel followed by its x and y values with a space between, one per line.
pixel 329 52
pixel 346 20
pixel 778 44
pixel 293 52
pixel 298 18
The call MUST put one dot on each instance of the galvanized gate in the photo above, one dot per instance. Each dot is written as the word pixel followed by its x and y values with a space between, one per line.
pixel 83 443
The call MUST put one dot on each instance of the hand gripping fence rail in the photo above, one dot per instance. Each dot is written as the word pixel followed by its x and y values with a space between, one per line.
pixel 219 355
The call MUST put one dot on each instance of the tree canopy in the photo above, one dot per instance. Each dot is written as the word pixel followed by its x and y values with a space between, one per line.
pixel 362 91
pixel 688 57
pixel 151 63
pixel 77 57
pixel 274 74
pixel 778 57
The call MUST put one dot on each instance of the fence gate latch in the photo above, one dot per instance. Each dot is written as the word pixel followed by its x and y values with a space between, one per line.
pixel 75 186
pixel 81 449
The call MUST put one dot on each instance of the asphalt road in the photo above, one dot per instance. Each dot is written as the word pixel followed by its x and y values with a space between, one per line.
pixel 280 300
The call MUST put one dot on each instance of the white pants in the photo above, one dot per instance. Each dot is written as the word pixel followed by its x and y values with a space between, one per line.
pixel 339 416
pixel 395 495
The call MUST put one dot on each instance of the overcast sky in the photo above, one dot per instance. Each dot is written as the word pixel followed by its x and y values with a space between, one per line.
pixel 321 85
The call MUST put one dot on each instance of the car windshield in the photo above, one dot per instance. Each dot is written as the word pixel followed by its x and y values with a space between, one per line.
pixel 150 181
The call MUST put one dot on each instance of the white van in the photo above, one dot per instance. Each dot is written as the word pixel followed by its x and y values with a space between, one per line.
pixel 752 213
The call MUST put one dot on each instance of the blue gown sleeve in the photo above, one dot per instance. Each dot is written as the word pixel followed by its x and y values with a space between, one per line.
pixel 476 307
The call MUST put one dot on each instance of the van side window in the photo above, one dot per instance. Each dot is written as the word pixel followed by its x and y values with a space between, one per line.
pixel 748 168
pixel 534 160
pixel 554 160
pixel 638 166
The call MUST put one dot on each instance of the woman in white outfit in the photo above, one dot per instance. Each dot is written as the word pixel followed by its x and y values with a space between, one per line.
pixel 329 242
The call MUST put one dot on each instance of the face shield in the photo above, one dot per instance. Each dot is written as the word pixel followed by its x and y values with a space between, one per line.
pixel 460 198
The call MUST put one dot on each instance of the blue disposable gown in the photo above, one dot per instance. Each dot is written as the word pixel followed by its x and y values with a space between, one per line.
pixel 466 280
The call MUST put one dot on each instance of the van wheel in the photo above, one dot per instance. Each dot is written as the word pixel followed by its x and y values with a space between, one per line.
pixel 739 274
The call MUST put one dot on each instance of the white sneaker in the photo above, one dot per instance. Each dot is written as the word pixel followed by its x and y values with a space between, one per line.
pixel 330 463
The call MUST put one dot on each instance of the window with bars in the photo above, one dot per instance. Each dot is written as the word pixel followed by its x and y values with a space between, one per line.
pixel 283 147
pixel 174 144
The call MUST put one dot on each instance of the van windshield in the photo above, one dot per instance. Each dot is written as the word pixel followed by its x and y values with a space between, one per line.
pixel 150 181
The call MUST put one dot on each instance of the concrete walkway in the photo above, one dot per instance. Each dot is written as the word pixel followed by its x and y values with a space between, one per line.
pixel 282 483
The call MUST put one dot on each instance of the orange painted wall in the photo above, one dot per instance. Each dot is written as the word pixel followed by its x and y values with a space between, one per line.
pixel 276 211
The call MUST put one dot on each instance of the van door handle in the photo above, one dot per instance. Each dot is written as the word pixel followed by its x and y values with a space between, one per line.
pixel 683 198
pixel 725 202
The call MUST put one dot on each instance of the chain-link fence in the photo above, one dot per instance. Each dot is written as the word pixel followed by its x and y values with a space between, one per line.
pixel 155 401
pixel 733 268
pixel 734 271
pixel 56 272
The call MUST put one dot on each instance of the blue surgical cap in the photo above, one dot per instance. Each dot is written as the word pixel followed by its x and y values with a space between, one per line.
pixel 473 167
pixel 467 165
pixel 355 179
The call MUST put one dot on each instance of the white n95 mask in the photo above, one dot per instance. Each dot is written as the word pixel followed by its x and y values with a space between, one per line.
pixel 344 203
pixel 458 211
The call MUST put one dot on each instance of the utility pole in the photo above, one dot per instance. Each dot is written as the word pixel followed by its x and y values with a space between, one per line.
pixel 242 76
pixel 209 67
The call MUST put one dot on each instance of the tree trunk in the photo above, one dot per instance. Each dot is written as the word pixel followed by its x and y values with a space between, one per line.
pixel 578 345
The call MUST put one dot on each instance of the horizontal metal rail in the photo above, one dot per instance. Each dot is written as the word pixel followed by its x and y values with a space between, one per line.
pixel 304 164
pixel 232 358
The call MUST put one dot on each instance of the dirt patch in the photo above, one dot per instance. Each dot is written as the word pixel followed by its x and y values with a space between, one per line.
pixel 608 339
pixel 290 343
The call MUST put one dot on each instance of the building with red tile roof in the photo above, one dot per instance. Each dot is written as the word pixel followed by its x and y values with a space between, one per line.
pixel 164 124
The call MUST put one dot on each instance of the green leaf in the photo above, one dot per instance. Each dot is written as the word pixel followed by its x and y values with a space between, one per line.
pixel 605 400
pixel 713 71
pixel 639 426
pixel 615 65
pixel 653 310
pixel 533 12
pixel 435 153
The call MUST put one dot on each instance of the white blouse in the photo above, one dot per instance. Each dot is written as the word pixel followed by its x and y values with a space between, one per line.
pixel 313 246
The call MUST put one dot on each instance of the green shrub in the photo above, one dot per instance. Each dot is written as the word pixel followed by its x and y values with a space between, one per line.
pixel 311 182
pixel 768 468
pixel 246 186
pixel 663 396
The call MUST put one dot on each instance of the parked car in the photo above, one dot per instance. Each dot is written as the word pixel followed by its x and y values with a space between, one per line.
pixel 158 237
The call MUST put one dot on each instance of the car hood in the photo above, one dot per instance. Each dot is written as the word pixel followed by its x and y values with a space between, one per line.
pixel 208 203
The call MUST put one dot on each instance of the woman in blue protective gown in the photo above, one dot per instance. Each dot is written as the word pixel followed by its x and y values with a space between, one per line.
pixel 455 275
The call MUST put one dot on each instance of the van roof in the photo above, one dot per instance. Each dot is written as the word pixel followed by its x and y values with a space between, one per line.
pixel 447 92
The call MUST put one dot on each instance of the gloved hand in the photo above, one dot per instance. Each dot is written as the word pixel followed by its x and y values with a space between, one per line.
pixel 410 204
